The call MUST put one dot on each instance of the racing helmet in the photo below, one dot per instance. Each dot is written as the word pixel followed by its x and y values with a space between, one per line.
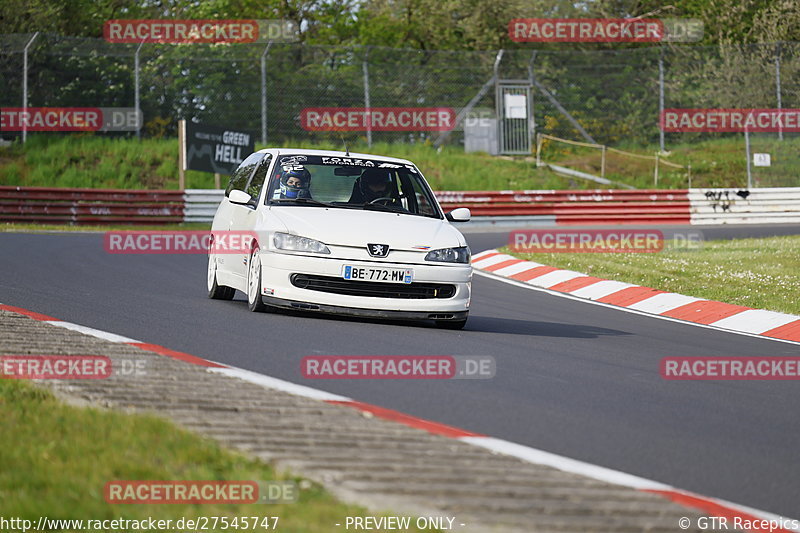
pixel 295 182
pixel 375 183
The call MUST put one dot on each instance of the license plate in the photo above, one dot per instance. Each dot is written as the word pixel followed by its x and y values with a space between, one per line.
pixel 381 275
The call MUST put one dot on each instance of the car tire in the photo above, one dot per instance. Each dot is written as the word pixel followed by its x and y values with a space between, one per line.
pixel 216 291
pixel 451 324
pixel 254 301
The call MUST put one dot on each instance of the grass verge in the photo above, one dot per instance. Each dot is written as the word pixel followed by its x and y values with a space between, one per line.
pixel 118 163
pixel 57 459
pixel 762 273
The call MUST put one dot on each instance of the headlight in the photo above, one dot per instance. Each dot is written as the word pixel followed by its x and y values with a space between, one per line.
pixel 284 241
pixel 449 255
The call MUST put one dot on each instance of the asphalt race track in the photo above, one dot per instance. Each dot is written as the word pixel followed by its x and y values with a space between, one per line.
pixel 573 378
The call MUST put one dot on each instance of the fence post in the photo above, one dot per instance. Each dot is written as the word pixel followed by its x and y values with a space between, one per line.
pixel 25 86
pixel 661 99
pixel 365 68
pixel 136 88
pixel 747 154
pixel 603 162
pixel 778 85
pixel 264 93
pixel 689 174
pixel 538 150
pixel 656 171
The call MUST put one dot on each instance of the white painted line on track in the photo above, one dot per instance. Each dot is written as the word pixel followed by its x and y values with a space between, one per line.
pixel 110 337
pixel 279 384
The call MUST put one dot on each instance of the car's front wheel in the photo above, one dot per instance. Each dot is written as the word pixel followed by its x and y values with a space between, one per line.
pixel 215 291
pixel 254 302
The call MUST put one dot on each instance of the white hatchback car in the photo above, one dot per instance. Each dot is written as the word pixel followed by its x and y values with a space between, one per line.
pixel 342 233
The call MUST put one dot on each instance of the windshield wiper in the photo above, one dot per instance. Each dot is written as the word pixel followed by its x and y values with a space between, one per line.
pixel 303 201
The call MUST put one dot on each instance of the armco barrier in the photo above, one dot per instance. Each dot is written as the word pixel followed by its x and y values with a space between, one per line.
pixel 745 206
pixel 201 204
pixel 601 206
pixel 537 207
pixel 43 205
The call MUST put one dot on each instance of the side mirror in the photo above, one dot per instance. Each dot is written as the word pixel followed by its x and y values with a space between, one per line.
pixel 240 197
pixel 460 214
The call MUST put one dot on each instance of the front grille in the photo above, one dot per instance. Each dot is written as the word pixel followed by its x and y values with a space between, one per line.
pixel 371 288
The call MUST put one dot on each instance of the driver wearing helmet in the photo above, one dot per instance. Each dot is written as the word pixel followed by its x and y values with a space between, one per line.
pixel 376 183
pixel 295 182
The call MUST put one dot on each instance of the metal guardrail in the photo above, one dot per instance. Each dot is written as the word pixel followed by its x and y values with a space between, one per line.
pixel 43 205
pixel 779 205
pixel 600 206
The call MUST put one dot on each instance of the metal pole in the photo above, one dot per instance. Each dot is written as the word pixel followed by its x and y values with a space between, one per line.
pixel 136 88
pixel 365 68
pixel 747 153
pixel 25 87
pixel 778 85
pixel 531 119
pixel 264 93
pixel 498 103
pixel 661 98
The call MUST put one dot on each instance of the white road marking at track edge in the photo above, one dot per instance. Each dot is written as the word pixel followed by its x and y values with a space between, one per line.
pixel 279 384
pixel 626 309
pixel 111 337
pixel 520 451
pixel 600 473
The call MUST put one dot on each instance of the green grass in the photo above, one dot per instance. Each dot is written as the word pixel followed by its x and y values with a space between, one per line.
pixel 57 459
pixel 763 273
pixel 88 160
pixel 104 162
pixel 714 162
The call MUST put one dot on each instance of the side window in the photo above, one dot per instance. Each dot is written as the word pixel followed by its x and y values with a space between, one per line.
pixel 257 181
pixel 243 173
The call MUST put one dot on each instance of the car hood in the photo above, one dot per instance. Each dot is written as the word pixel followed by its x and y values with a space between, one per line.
pixel 356 227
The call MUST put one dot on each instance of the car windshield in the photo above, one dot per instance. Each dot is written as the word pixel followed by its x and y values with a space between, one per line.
pixel 350 183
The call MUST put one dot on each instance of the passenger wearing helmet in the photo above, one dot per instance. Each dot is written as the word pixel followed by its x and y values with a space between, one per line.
pixel 295 182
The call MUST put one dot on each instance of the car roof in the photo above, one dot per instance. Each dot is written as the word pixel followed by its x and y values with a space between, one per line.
pixel 335 153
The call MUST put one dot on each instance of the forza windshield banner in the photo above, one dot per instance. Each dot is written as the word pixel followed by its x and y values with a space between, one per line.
pixel 378 119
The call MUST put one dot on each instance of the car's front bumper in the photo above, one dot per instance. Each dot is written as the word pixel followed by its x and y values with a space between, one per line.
pixel 278 290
